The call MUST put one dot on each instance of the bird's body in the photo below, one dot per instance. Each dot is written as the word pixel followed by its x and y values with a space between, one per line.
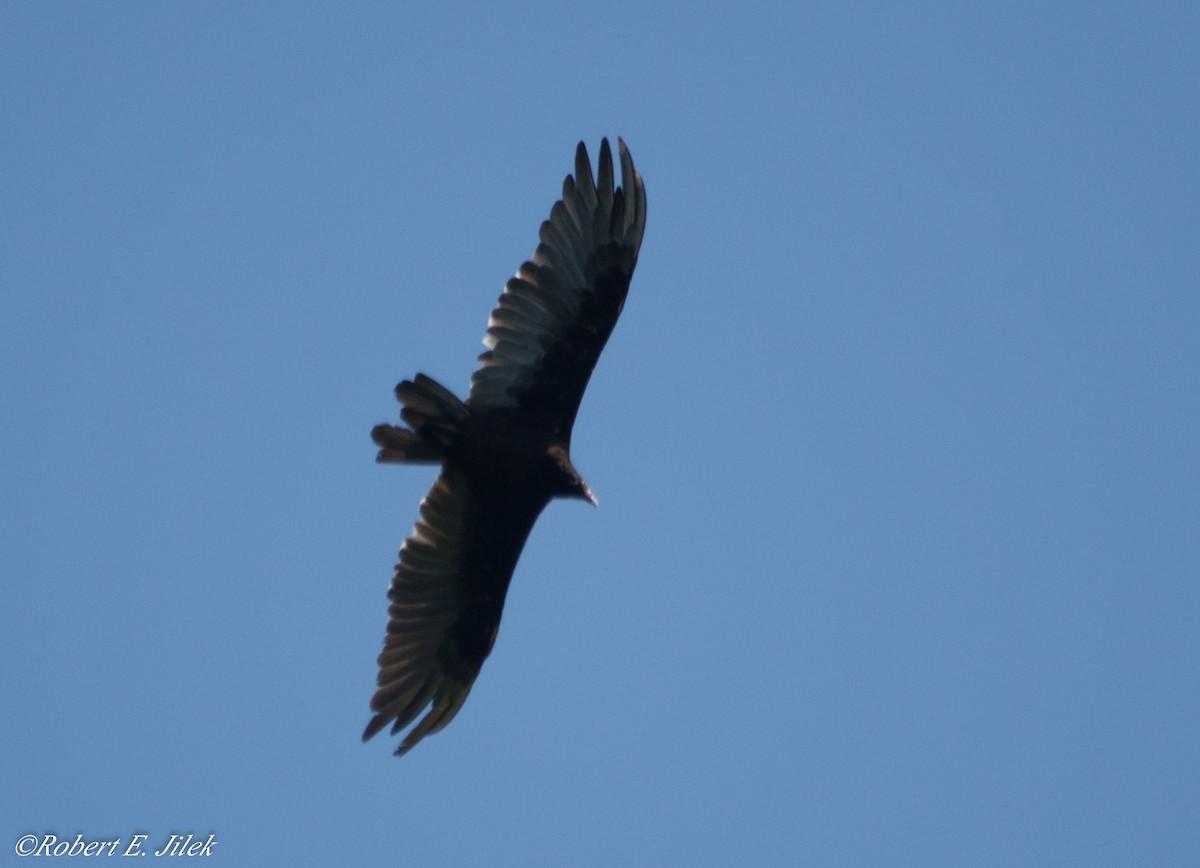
pixel 505 451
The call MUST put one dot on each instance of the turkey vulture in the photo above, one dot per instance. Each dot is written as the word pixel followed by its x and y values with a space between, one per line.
pixel 505 451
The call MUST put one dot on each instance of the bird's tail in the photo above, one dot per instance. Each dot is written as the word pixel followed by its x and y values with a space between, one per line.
pixel 433 413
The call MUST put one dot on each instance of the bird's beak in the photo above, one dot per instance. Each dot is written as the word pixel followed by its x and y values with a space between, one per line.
pixel 575 486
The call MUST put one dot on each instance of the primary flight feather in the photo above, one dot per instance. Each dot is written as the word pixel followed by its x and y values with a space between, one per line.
pixel 505 451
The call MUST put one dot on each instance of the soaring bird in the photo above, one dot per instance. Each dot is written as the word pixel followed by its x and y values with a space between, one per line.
pixel 505 451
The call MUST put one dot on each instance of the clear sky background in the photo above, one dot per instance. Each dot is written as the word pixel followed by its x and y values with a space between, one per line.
pixel 897 443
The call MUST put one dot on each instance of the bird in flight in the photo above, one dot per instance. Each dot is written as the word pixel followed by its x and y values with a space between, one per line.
pixel 505 450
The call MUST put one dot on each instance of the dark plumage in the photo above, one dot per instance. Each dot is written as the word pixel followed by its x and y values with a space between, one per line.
pixel 505 451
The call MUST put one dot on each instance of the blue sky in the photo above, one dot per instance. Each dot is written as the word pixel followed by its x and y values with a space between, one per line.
pixel 896 442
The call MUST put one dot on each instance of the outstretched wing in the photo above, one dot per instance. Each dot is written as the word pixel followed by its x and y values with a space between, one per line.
pixel 556 314
pixel 447 596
